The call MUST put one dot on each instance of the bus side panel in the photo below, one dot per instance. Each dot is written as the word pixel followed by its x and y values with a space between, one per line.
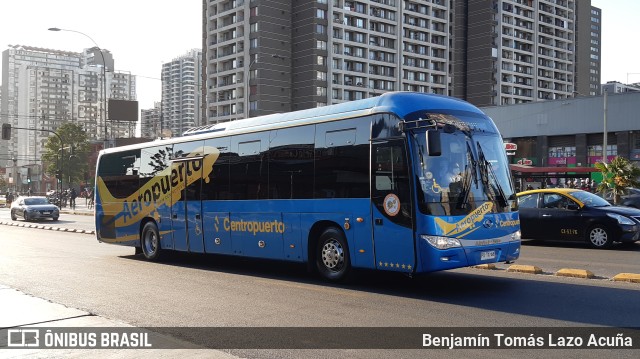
pixel 292 237
pixel 358 235
pixel 216 238
pixel 394 244
pixel 256 234
pixel 163 219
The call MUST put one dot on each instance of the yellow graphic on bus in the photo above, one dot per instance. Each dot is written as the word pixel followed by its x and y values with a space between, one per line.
pixel 468 222
pixel 163 189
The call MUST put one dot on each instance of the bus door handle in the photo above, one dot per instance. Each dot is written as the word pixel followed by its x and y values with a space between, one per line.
pixel 198 216
pixel 378 221
pixel 174 216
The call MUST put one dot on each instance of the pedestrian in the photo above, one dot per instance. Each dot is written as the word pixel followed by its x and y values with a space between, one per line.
pixel 72 196
pixel 9 198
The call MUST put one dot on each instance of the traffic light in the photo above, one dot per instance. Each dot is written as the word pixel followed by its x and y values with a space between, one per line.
pixel 6 131
pixel 28 175
pixel 59 174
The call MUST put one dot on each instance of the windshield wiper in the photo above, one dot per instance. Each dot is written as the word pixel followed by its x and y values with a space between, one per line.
pixel 463 200
pixel 486 171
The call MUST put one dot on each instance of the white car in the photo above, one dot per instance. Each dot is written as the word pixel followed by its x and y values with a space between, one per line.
pixel 34 208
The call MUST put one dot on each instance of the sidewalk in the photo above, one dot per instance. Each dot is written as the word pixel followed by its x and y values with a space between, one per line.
pixel 20 310
pixel 81 208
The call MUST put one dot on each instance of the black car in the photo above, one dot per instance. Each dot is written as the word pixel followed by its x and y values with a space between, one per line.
pixel 573 214
pixel 32 208
pixel 630 197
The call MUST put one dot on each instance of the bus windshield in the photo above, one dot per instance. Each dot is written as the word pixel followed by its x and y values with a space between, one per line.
pixel 471 170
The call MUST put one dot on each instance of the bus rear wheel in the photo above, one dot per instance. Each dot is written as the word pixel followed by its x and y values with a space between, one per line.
pixel 150 242
pixel 332 255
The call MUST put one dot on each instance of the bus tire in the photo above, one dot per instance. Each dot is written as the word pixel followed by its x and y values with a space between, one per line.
pixel 150 242
pixel 332 255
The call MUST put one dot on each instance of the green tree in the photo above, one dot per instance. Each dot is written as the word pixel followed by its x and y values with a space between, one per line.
pixel 618 175
pixel 3 185
pixel 76 150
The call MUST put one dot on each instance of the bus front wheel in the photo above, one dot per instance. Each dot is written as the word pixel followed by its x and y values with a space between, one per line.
pixel 332 255
pixel 150 241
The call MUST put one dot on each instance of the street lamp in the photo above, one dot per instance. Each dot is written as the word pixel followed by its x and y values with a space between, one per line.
pixel 604 120
pixel 103 112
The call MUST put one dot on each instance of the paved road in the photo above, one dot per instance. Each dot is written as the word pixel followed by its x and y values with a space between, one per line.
pixel 549 256
pixel 210 291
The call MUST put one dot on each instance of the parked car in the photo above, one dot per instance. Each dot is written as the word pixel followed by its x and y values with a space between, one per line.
pixel 3 201
pixel 34 208
pixel 630 198
pixel 574 214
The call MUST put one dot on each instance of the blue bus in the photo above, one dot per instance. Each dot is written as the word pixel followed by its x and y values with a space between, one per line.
pixel 404 182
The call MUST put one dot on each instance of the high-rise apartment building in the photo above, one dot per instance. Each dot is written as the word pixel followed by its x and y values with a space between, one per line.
pixel 514 51
pixel 588 48
pixel 43 88
pixel 150 121
pixel 181 95
pixel 277 56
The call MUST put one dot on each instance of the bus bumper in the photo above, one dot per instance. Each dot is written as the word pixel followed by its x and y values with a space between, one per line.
pixel 434 260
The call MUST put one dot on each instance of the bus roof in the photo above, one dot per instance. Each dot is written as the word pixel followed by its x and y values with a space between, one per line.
pixel 399 103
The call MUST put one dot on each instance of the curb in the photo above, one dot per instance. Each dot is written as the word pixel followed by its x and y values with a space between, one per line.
pixel 564 272
pixel 575 273
pixel 524 269
pixel 627 277
pixel 47 227
pixel 79 213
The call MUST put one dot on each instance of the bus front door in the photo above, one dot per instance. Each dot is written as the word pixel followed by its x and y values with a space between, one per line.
pixel 186 208
pixel 391 207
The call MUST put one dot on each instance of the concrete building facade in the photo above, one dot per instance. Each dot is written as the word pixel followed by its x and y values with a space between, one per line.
pixel 617 87
pixel 588 48
pixel 269 56
pixel 570 132
pixel 44 88
pixel 150 121
pixel 181 95
pixel 514 51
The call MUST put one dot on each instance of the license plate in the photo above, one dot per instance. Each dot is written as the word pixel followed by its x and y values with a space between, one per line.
pixel 486 255
pixel 46 212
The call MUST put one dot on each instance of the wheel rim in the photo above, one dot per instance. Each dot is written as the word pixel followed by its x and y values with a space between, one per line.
pixel 598 236
pixel 333 255
pixel 150 243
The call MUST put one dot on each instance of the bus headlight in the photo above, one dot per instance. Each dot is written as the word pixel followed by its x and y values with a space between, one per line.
pixel 441 242
pixel 516 236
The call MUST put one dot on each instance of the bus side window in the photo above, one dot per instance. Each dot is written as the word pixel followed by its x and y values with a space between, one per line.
pixel 216 187
pixel 342 159
pixel 249 166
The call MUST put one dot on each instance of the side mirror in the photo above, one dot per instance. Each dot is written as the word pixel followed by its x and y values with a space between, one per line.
pixel 573 206
pixel 434 146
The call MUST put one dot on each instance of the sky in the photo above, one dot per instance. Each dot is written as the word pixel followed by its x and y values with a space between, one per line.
pixel 144 34
pixel 140 34
pixel 620 52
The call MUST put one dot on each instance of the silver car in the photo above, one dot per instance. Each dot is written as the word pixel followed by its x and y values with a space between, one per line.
pixel 34 208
